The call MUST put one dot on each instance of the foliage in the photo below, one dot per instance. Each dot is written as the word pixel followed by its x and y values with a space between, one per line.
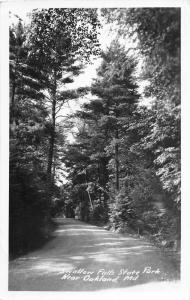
pixel 140 146
pixel 28 141
pixel 61 38
pixel 160 46
pixel 44 57
pixel 97 142
pixel 124 165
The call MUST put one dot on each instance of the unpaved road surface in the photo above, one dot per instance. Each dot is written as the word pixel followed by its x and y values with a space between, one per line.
pixel 83 257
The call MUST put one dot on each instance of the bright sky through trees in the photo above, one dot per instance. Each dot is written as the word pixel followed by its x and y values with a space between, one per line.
pixel 89 73
pixel 105 37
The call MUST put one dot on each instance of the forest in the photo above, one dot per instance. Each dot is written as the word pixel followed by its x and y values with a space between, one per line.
pixel 121 170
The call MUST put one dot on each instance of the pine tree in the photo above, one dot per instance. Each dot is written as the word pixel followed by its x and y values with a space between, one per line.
pixel 61 38
pixel 117 89
pixel 28 141
pixel 99 139
pixel 159 45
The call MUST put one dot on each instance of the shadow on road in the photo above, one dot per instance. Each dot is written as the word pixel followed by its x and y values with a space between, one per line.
pixel 80 246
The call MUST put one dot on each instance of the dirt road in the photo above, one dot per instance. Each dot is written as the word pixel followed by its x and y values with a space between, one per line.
pixel 82 257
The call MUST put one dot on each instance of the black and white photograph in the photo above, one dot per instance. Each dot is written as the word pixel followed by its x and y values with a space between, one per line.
pixel 94 149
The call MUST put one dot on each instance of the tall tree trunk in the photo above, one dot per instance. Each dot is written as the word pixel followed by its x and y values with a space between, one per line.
pixel 13 91
pixel 116 162
pixel 54 168
pixel 12 104
pixel 52 137
pixel 51 142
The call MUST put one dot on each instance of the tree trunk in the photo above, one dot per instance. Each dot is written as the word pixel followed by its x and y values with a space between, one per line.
pixel 52 138
pixel 12 104
pixel 116 162
pixel 51 142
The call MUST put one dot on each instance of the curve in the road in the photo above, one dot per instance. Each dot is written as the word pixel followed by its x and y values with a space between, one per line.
pixel 83 257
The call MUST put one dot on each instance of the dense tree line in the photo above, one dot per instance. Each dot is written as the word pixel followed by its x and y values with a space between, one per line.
pixel 124 165
pixel 44 56
pixel 126 155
